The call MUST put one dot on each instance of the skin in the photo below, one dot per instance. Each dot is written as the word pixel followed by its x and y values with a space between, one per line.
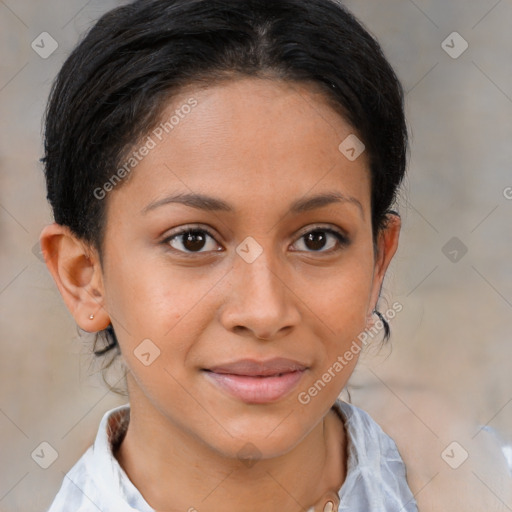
pixel 297 300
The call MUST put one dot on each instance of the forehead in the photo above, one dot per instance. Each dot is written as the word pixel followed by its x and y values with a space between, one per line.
pixel 246 139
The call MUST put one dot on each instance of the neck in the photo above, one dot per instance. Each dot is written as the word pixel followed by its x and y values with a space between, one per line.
pixel 197 478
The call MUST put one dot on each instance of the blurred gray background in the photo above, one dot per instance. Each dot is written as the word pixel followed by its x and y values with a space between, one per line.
pixel 451 347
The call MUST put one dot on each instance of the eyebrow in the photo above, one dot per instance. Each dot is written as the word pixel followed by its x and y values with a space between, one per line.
pixel 208 203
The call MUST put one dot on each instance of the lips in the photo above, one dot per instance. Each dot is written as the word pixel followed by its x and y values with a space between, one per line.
pixel 252 368
pixel 257 382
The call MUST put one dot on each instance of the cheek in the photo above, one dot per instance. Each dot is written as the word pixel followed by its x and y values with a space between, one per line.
pixel 341 298
pixel 155 301
pixel 339 316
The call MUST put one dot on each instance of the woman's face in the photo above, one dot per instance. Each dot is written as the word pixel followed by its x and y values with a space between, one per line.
pixel 280 263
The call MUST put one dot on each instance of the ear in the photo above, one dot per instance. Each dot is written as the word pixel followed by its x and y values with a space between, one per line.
pixel 387 244
pixel 76 269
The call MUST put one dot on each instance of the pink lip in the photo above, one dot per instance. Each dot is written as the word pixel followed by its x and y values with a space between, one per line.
pixel 257 382
pixel 256 390
pixel 253 368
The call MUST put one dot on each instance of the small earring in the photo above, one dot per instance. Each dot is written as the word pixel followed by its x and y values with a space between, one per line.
pixel 91 317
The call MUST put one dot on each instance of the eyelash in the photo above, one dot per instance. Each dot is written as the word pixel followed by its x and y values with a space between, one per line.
pixel 342 240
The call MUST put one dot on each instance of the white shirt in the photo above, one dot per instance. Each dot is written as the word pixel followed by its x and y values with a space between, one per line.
pixel 375 480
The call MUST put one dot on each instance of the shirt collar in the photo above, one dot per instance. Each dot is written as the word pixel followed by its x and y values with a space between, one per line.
pixel 108 474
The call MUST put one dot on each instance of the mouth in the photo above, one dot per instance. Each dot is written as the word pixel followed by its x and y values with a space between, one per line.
pixel 257 382
pixel 253 368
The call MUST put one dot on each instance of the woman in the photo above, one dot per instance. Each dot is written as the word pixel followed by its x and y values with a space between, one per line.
pixel 222 176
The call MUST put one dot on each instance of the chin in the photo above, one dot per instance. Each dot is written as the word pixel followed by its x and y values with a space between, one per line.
pixel 250 449
pixel 252 439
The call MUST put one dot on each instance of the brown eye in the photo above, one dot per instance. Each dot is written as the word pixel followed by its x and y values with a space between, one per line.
pixel 315 240
pixel 191 241
pixel 322 241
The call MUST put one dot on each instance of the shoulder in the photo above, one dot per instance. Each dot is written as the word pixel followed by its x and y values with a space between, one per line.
pixel 365 437
pixel 77 491
pixel 376 478
pixel 96 481
pixel 453 463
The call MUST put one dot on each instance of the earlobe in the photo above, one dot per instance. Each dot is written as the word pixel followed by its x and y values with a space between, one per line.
pixel 76 270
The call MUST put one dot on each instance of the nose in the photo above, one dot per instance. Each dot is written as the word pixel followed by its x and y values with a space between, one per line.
pixel 261 302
